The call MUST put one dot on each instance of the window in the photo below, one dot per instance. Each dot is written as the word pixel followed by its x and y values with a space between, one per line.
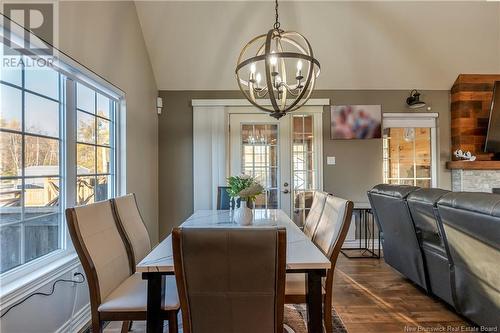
pixel 30 165
pixel 94 148
pixel 409 156
pixel 58 148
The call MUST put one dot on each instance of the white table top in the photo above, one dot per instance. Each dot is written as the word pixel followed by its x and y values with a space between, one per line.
pixel 301 252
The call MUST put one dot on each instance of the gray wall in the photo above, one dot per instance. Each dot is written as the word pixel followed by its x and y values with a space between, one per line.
pixel 359 162
pixel 175 140
pixel 107 38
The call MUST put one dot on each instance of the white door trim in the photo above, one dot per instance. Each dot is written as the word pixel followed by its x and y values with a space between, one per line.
pixel 244 102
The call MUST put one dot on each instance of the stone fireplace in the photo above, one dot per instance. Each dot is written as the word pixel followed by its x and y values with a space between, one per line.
pixel 474 180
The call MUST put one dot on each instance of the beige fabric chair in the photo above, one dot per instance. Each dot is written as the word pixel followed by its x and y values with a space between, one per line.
pixel 115 293
pixel 315 212
pixel 230 280
pixel 130 219
pixel 329 237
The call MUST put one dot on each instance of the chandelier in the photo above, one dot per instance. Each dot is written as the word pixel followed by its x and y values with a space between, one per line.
pixel 278 67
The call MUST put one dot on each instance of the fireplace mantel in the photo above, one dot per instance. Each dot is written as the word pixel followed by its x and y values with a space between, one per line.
pixel 473 165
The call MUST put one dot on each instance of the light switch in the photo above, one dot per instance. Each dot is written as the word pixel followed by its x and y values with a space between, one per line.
pixel 330 160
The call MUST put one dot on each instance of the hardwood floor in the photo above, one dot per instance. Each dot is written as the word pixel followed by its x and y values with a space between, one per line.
pixel 370 296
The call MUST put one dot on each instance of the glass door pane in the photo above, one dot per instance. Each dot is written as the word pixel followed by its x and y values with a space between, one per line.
pixel 407 156
pixel 304 167
pixel 259 159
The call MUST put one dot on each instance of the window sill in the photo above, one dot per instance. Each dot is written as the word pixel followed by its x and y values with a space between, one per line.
pixel 18 288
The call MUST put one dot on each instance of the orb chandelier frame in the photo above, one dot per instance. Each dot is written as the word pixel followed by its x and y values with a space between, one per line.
pixel 273 53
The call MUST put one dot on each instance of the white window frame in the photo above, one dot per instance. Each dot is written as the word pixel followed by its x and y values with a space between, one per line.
pixel 20 280
pixel 418 120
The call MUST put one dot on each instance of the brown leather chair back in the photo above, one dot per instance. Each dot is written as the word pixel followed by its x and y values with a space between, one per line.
pixel 315 212
pixel 230 280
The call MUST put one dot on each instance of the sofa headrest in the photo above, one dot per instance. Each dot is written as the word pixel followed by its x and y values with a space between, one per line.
pixel 428 196
pixel 483 203
pixel 396 191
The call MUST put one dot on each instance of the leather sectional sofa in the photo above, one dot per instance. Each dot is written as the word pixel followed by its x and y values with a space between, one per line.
pixel 448 243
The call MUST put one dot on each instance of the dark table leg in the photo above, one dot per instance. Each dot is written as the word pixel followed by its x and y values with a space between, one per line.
pixel 155 288
pixel 314 302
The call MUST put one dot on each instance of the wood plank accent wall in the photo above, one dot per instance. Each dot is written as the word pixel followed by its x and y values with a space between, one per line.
pixel 471 96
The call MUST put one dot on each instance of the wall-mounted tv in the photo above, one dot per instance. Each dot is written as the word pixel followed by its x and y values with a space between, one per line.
pixel 356 122
pixel 493 137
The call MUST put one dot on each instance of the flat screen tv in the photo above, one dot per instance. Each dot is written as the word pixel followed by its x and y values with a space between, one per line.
pixel 356 122
pixel 493 137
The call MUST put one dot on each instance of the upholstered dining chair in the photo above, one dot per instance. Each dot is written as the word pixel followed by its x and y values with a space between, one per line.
pixel 224 201
pixel 329 236
pixel 130 220
pixel 116 294
pixel 128 216
pixel 230 279
pixel 315 212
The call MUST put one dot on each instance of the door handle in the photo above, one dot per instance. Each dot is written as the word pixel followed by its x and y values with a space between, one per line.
pixel 286 191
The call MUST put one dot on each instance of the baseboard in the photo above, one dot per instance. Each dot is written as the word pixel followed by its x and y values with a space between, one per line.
pixel 82 319
pixel 78 323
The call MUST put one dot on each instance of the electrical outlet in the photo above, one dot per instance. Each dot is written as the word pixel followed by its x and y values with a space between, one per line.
pixel 330 160
pixel 76 276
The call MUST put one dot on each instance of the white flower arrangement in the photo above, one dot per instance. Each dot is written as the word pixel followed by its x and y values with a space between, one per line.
pixel 244 186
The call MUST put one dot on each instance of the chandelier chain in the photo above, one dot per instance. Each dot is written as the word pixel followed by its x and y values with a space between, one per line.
pixel 277 22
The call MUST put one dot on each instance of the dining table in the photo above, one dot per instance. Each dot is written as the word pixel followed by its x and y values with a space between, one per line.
pixel 302 257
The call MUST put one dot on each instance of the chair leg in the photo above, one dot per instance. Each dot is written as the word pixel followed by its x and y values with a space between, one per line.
pixel 130 326
pixel 96 326
pixel 126 326
pixel 327 315
pixel 172 322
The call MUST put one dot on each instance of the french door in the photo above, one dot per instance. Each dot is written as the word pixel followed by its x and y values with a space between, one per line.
pixel 283 155
pixel 260 147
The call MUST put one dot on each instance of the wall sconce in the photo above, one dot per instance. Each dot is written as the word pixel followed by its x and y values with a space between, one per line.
pixel 413 101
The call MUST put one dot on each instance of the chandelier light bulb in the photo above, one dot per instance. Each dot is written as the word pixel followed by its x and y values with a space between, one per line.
pixel 299 65
pixel 253 68
pixel 258 78
pixel 273 61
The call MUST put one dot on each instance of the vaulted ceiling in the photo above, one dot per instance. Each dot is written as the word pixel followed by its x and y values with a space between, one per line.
pixel 361 45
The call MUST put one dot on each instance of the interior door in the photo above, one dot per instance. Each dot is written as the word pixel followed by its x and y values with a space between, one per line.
pixel 260 147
